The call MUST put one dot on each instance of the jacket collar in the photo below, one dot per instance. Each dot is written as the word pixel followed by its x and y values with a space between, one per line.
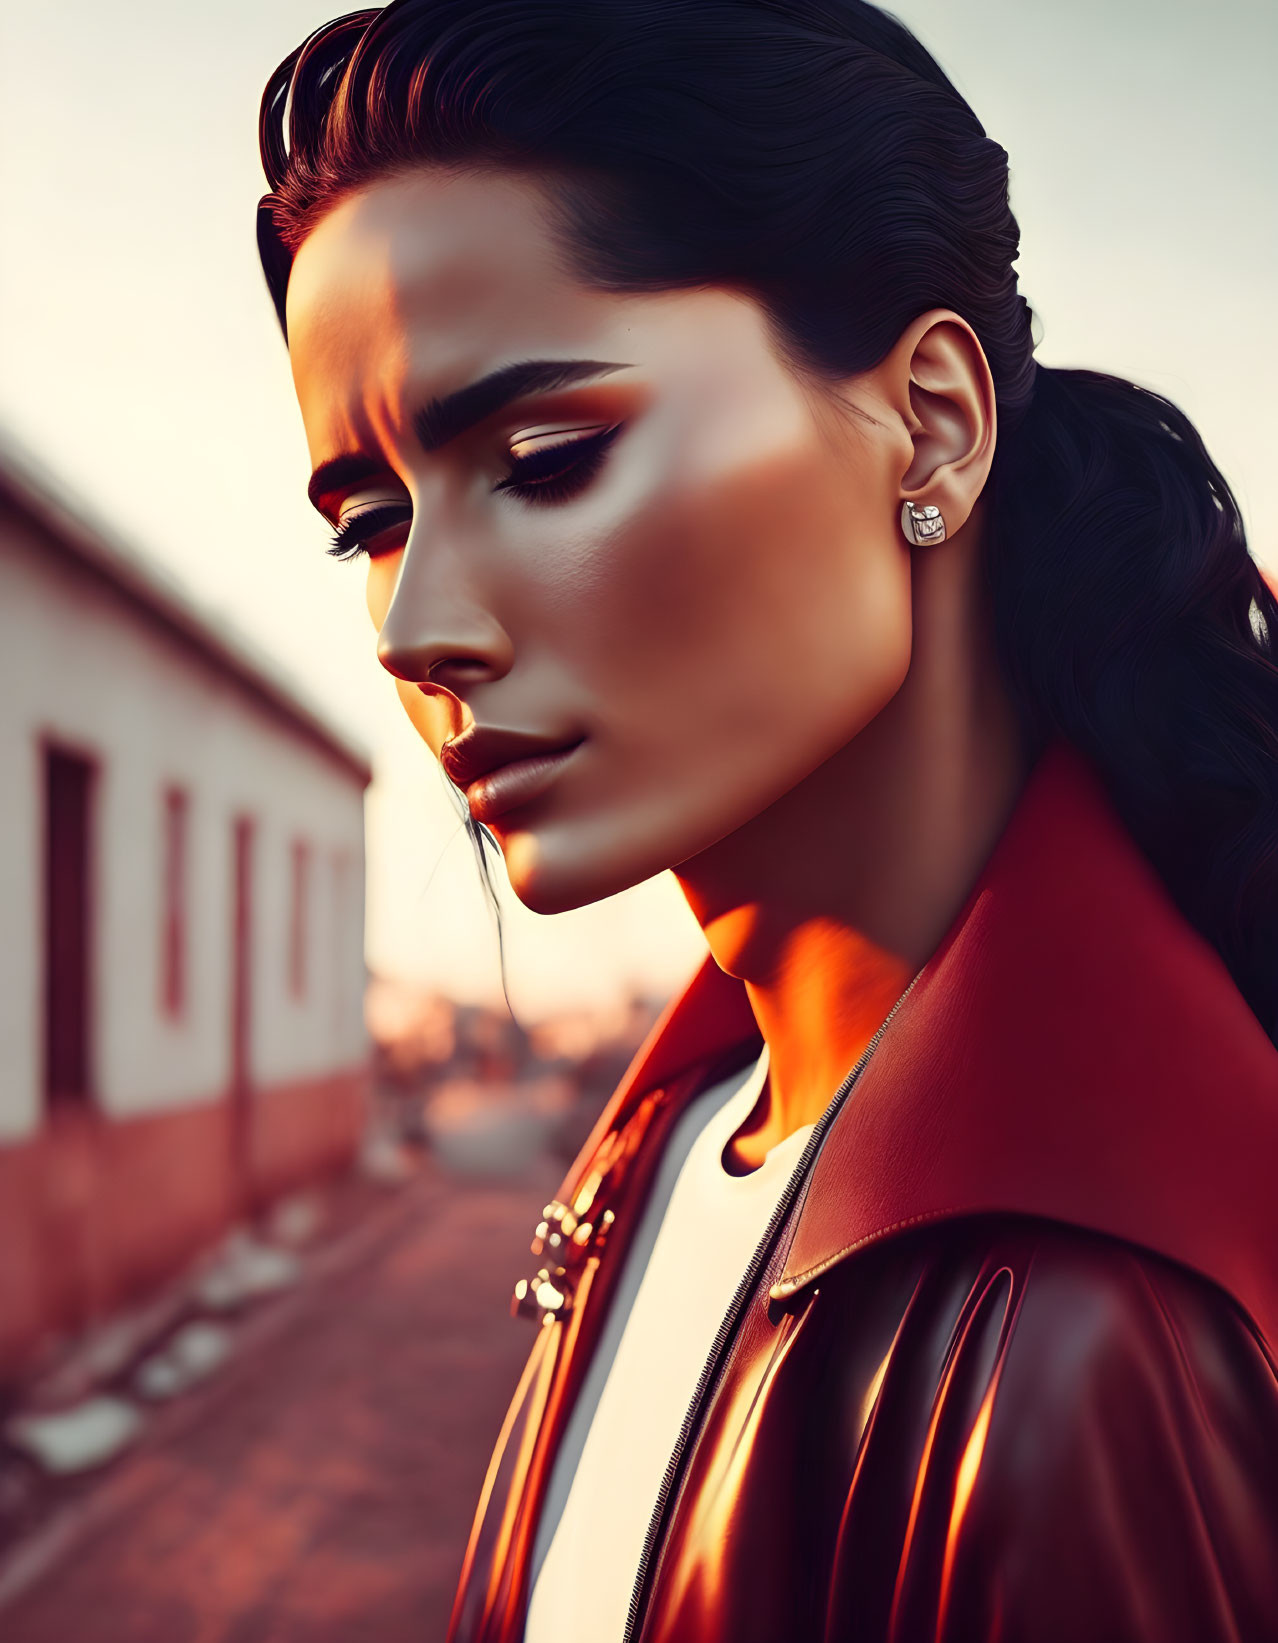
pixel 1073 1049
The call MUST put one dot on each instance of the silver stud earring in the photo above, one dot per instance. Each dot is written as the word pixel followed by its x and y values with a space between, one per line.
pixel 922 525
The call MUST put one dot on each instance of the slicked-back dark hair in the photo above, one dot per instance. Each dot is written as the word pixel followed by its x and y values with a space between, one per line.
pixel 813 154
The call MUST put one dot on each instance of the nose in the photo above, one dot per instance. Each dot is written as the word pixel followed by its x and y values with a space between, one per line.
pixel 437 629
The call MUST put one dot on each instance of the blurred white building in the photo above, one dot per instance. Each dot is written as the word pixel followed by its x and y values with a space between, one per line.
pixel 181 900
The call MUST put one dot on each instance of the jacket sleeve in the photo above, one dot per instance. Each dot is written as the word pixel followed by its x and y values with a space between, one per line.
pixel 1100 1461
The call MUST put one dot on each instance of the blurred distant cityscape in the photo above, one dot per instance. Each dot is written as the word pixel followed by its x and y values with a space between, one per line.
pixel 484 1092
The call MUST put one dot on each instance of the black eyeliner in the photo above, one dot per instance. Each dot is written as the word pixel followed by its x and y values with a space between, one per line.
pixel 536 477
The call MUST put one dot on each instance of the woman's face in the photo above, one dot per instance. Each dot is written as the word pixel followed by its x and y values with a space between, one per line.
pixel 680 558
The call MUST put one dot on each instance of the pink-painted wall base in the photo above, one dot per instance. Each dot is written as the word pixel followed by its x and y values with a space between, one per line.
pixel 94 1211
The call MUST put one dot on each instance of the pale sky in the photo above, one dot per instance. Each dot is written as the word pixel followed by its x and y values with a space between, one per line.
pixel 140 358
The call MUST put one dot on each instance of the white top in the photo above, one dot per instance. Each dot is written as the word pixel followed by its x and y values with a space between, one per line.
pixel 699 1230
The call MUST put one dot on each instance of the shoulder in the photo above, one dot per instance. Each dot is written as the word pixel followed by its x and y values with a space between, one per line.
pixel 1101 1449
pixel 1078 1311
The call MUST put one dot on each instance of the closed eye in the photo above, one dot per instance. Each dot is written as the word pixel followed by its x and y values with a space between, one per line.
pixel 372 531
pixel 558 471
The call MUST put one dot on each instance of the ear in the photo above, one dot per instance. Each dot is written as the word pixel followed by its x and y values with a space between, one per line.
pixel 938 380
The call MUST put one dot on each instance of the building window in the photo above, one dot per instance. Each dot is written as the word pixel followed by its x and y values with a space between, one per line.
pixel 68 910
pixel 298 923
pixel 173 904
pixel 340 962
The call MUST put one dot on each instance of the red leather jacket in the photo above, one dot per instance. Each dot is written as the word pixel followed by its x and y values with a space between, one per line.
pixel 1003 1367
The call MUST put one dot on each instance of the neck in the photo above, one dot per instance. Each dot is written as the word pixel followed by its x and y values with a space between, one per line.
pixel 829 901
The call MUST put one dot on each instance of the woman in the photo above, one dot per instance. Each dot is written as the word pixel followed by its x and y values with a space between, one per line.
pixel 665 360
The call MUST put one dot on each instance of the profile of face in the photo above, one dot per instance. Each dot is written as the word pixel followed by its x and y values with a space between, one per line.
pixel 673 554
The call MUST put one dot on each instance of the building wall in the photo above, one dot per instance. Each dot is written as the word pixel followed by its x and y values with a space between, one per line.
pixel 97 1201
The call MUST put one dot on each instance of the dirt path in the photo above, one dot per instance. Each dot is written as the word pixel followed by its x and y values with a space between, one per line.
pixel 321 1491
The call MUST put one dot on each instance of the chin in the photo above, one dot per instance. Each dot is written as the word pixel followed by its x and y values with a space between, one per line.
pixel 554 869
pixel 545 886
pixel 548 898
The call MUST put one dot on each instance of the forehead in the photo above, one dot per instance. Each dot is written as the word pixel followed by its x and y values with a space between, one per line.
pixel 432 274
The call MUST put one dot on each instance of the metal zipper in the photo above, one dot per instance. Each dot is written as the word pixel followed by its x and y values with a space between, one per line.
pixel 736 1306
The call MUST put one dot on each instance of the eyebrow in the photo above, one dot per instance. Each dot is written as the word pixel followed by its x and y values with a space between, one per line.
pixel 338 472
pixel 440 420
pixel 443 419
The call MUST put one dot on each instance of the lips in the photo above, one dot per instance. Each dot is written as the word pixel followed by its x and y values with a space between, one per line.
pixel 479 752
pixel 513 785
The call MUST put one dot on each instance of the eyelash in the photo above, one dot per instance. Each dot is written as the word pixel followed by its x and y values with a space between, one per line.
pixel 540 479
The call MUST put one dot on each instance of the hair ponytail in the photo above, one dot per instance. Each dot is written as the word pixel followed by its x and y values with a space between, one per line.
pixel 1131 619
pixel 814 154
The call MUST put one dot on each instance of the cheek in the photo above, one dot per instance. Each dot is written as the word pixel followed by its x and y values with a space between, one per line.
pixel 379 586
pixel 751 602
pixel 734 633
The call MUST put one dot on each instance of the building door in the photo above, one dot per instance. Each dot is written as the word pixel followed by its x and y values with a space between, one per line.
pixel 68 920
pixel 71 1264
pixel 241 1092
